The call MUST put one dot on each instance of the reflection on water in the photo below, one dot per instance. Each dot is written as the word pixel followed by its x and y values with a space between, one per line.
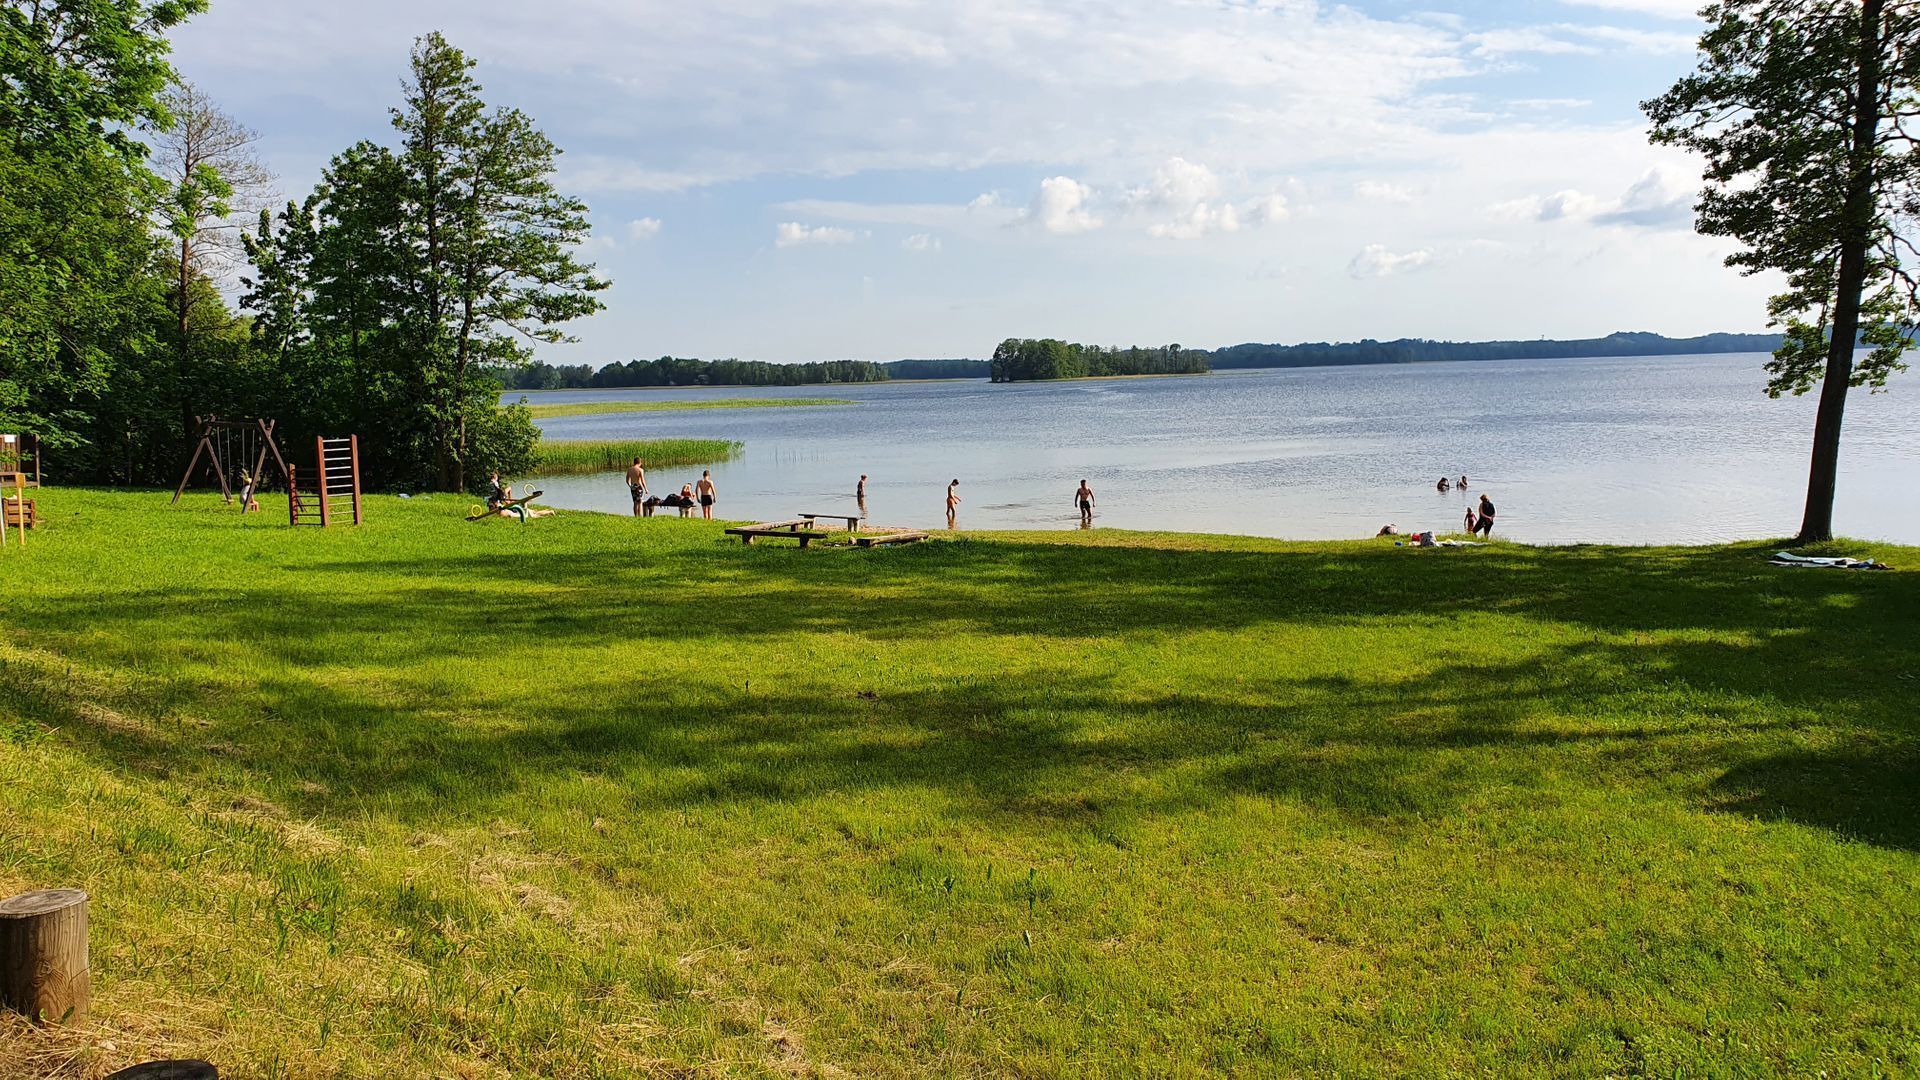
pixel 1656 450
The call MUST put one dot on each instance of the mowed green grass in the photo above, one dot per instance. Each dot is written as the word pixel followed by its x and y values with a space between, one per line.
pixel 600 796
pixel 597 408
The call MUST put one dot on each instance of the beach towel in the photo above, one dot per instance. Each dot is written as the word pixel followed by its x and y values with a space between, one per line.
pixel 1788 558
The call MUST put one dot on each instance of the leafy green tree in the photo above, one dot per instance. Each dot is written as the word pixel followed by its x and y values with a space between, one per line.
pixel 391 295
pixel 214 181
pixel 495 241
pixel 1800 108
pixel 77 79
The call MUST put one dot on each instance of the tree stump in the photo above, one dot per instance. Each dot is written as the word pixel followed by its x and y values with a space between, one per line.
pixel 43 955
pixel 168 1070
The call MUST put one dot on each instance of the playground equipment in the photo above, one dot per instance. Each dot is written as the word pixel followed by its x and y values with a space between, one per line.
pixel 337 477
pixel 15 510
pixel 228 446
pixel 21 454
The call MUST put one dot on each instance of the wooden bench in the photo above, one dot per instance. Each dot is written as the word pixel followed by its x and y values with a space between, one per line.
pixel 785 530
pixel 852 520
pixel 897 536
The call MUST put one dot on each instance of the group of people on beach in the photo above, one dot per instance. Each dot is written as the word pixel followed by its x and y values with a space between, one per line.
pixel 704 494
pixel 701 493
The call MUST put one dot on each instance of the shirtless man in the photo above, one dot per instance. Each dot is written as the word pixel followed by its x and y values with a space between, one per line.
pixel 953 500
pixel 637 484
pixel 1085 498
pixel 707 493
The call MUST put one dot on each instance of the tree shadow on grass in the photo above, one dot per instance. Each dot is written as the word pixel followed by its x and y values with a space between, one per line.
pixel 1746 646
pixel 1868 794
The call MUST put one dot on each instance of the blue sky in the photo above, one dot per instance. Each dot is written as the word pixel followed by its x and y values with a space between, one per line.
pixel 885 178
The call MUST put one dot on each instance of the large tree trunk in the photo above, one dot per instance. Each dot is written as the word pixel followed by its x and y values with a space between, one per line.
pixel 1817 523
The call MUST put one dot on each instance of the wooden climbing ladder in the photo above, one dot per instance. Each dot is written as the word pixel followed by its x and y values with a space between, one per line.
pixel 337 478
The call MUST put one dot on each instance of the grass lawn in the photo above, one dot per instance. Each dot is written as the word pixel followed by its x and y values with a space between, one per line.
pixel 597 408
pixel 606 797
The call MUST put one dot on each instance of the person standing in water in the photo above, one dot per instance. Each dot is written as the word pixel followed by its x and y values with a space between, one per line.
pixel 953 500
pixel 1485 525
pixel 637 484
pixel 1085 498
pixel 707 493
pixel 1443 485
pixel 1470 521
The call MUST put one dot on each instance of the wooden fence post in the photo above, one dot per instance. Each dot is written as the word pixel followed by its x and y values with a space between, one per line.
pixel 43 955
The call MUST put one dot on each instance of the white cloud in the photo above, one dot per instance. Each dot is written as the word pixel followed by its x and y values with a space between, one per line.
pixel 645 228
pixel 1582 39
pixel 1667 9
pixel 924 242
pixel 792 233
pixel 1655 201
pixel 1380 191
pixel 1375 261
pixel 1177 184
pixel 1061 206
pixel 1550 103
pixel 1202 219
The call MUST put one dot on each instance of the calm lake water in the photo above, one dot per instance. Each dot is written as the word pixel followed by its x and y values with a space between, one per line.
pixel 1645 450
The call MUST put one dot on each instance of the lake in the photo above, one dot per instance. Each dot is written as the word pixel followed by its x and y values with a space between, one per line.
pixel 1658 450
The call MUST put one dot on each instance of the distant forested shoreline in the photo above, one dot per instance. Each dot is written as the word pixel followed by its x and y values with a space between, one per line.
pixel 1042 355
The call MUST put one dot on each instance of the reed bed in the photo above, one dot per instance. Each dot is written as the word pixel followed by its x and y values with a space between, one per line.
pixel 569 457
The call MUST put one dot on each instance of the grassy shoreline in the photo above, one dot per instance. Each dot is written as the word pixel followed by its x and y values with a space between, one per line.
pixel 605 797
pixel 567 457
pixel 596 408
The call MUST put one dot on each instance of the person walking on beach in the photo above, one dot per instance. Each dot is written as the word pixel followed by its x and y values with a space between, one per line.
pixel 707 492
pixel 1085 498
pixel 1485 525
pixel 637 484
pixel 953 500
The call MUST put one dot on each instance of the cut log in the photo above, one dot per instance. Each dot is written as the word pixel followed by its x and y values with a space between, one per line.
pixel 43 955
pixel 168 1070
pixel 184 1069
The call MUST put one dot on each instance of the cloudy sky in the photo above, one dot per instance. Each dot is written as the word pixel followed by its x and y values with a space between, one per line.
pixel 887 178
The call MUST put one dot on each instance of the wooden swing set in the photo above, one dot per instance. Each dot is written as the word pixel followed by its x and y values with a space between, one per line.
pixel 250 444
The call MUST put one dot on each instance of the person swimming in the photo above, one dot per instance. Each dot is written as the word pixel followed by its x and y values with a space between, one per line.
pixel 1443 485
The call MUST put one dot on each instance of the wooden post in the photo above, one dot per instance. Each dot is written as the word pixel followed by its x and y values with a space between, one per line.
pixel 353 444
pixel 43 955
pixel 320 459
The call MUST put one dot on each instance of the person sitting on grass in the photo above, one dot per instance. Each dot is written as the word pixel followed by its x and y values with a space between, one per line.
pixel 1388 530
pixel 248 504
pixel 500 500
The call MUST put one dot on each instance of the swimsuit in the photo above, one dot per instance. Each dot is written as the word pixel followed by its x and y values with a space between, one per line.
pixel 706 500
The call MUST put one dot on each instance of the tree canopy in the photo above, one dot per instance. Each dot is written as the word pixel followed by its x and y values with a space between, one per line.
pixel 1800 108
